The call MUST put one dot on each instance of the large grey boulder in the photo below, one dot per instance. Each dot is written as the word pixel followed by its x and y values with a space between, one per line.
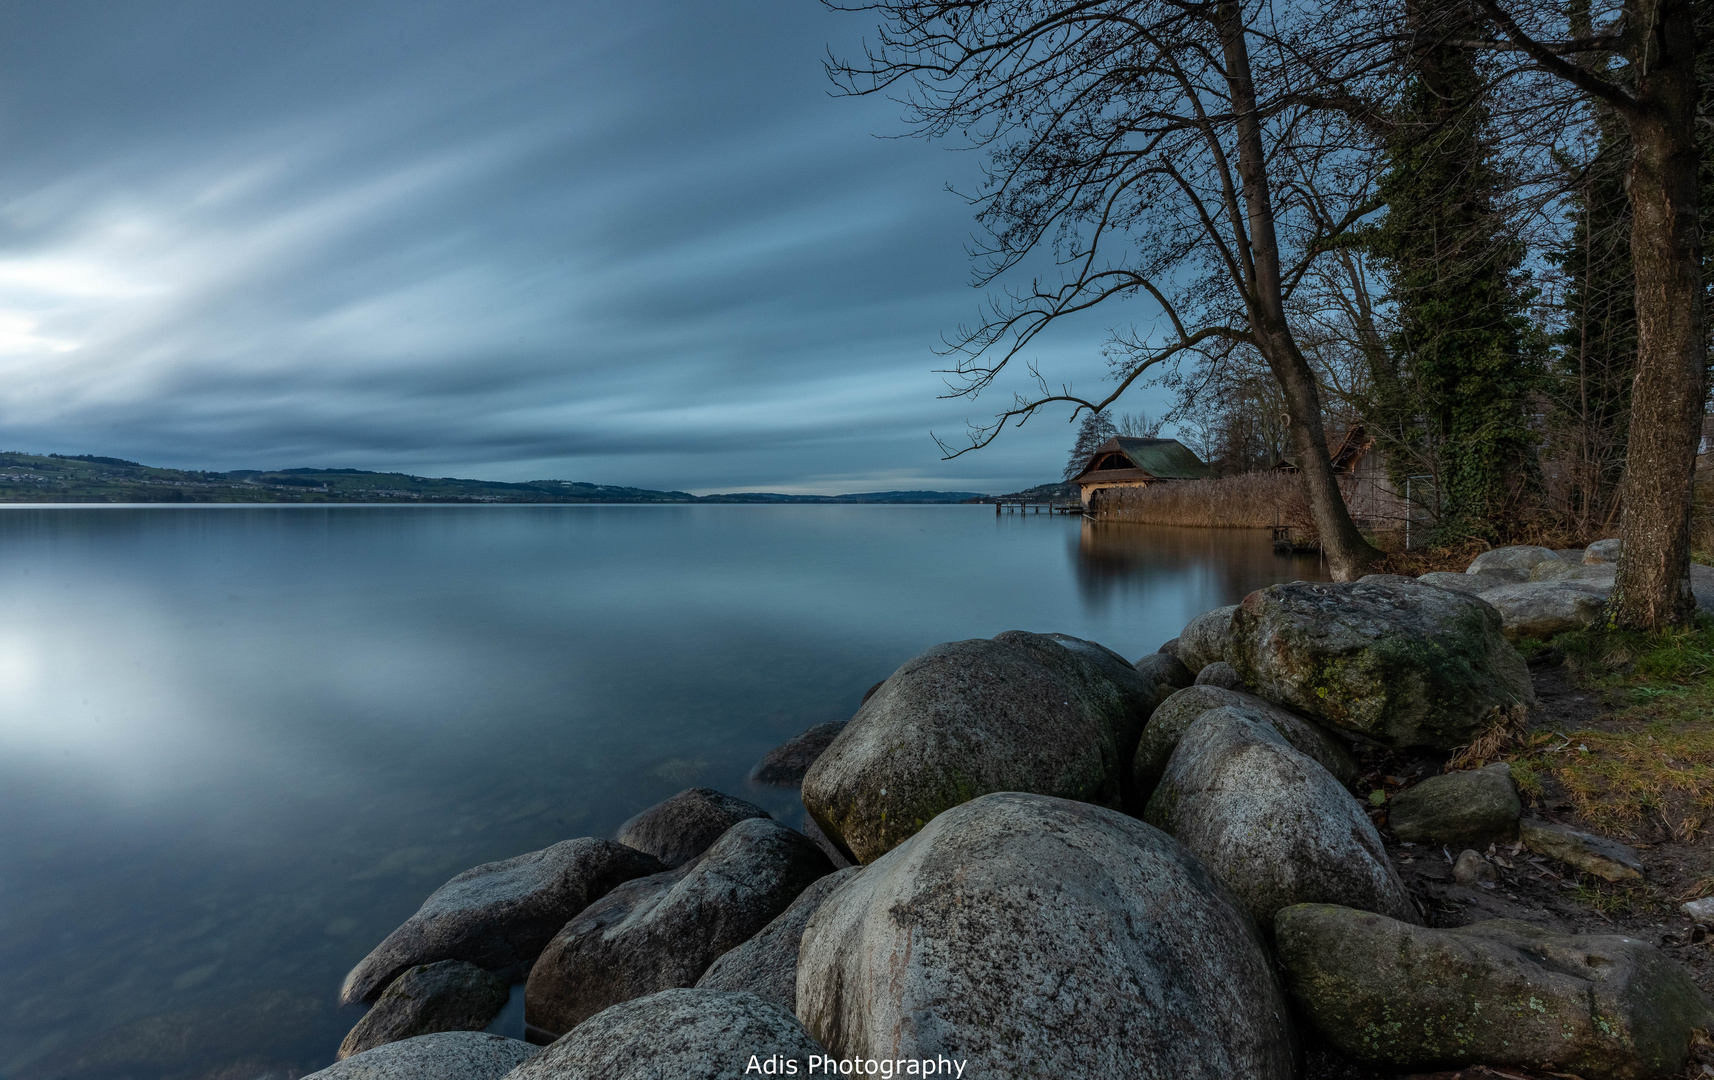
pixel 449 995
pixel 1039 937
pixel 680 1035
pixel 499 915
pixel 1270 823
pixel 1469 584
pixel 678 829
pixel 1018 713
pixel 1471 808
pixel 1175 715
pixel 766 965
pixel 1541 609
pixel 663 931
pixel 1500 993
pixel 1602 551
pixel 1522 557
pixel 785 764
pixel 1408 665
pixel 1600 575
pixel 1166 671
pixel 446 1055
pixel 1205 637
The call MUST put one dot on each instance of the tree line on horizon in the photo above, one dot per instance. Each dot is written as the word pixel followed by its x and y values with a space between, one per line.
pixel 1474 226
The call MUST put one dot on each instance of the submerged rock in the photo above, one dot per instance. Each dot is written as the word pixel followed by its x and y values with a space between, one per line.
pixel 1205 638
pixel 1018 713
pixel 1501 993
pixel 664 931
pixel 1475 807
pixel 1178 712
pixel 1039 937
pixel 679 1035
pixel 785 764
pixel 446 1055
pixel 678 829
pixel 499 915
pixel 1408 665
pixel 766 965
pixel 1608 860
pixel 1271 823
pixel 449 995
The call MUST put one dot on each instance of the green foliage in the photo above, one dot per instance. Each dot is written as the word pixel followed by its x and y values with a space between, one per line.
pixel 1451 390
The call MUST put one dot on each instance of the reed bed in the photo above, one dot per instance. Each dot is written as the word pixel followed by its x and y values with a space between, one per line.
pixel 1256 500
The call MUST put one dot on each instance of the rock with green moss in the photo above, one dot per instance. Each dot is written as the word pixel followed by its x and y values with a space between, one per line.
pixel 1020 712
pixel 1036 937
pixel 1178 712
pixel 1408 665
pixel 1204 639
pixel 1473 807
pixel 1275 827
pixel 1524 557
pixel 1607 859
pixel 1500 993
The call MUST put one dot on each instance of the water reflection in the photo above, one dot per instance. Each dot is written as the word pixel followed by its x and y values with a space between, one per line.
pixel 238 745
pixel 1115 560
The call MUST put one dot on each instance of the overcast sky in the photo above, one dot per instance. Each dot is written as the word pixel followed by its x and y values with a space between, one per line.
pixel 629 243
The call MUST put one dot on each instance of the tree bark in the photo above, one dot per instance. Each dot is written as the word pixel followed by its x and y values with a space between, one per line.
pixel 1653 587
pixel 1348 554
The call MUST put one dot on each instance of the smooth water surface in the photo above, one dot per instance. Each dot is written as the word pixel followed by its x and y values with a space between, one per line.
pixel 238 745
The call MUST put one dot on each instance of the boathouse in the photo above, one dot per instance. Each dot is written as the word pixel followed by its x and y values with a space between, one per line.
pixel 1122 462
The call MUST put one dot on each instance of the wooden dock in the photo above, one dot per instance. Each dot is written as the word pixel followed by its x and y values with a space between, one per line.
pixel 1023 506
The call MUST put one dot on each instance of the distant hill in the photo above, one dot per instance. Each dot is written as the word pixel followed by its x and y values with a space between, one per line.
pixel 1039 493
pixel 33 478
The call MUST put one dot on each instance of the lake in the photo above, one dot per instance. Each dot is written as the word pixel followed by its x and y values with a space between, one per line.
pixel 239 745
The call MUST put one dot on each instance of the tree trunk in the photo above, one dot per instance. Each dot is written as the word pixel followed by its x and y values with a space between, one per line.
pixel 1653 586
pixel 1347 552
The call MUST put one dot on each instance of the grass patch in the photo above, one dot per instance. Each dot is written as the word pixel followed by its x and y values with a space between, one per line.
pixel 1651 762
pixel 1613 901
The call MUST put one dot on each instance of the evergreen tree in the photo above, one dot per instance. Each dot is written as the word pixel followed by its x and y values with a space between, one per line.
pixel 1452 389
pixel 1097 428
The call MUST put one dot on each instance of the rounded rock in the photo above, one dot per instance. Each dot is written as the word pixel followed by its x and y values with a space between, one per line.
pixel 678 829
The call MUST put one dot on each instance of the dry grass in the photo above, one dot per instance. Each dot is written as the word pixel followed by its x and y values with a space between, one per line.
pixel 1246 501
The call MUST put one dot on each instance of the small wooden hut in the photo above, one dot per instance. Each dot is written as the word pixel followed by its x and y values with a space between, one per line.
pixel 1124 462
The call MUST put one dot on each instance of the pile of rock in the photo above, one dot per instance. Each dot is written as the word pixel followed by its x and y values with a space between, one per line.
pixel 1067 865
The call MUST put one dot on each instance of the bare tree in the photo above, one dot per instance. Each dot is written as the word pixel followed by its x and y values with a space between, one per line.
pixel 1654 93
pixel 1134 141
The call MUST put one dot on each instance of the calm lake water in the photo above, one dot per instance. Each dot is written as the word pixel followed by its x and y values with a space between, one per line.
pixel 239 745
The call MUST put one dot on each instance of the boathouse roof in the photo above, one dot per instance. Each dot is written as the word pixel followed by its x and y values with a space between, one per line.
pixel 1121 458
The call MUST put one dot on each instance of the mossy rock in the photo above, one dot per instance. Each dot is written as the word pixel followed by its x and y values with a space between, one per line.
pixel 1408 665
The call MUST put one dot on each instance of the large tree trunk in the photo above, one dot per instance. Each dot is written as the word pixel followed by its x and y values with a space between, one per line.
pixel 1347 552
pixel 1653 587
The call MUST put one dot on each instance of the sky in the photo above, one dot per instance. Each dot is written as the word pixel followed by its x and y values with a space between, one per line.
pixel 634 243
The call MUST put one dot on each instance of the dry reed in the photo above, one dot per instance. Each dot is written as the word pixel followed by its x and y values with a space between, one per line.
pixel 1247 501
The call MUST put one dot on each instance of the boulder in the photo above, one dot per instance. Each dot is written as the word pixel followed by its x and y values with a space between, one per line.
pixel 449 995
pixel 1522 557
pixel 1543 609
pixel 1205 637
pixel 1474 807
pixel 1408 665
pixel 1037 937
pixel 1166 671
pixel 499 915
pixel 1271 823
pixel 678 829
pixel 1602 551
pixel 680 1035
pixel 1020 712
pixel 445 1055
pixel 785 764
pixel 661 932
pixel 766 965
pixel 1469 584
pixel 1565 570
pixel 1500 993
pixel 1220 674
pixel 837 858
pixel 1608 860
pixel 1182 709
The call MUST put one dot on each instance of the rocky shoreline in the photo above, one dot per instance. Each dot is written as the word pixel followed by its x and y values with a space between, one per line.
pixel 1027 856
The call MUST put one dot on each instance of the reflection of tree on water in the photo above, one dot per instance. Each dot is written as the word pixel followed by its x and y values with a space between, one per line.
pixel 1114 557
